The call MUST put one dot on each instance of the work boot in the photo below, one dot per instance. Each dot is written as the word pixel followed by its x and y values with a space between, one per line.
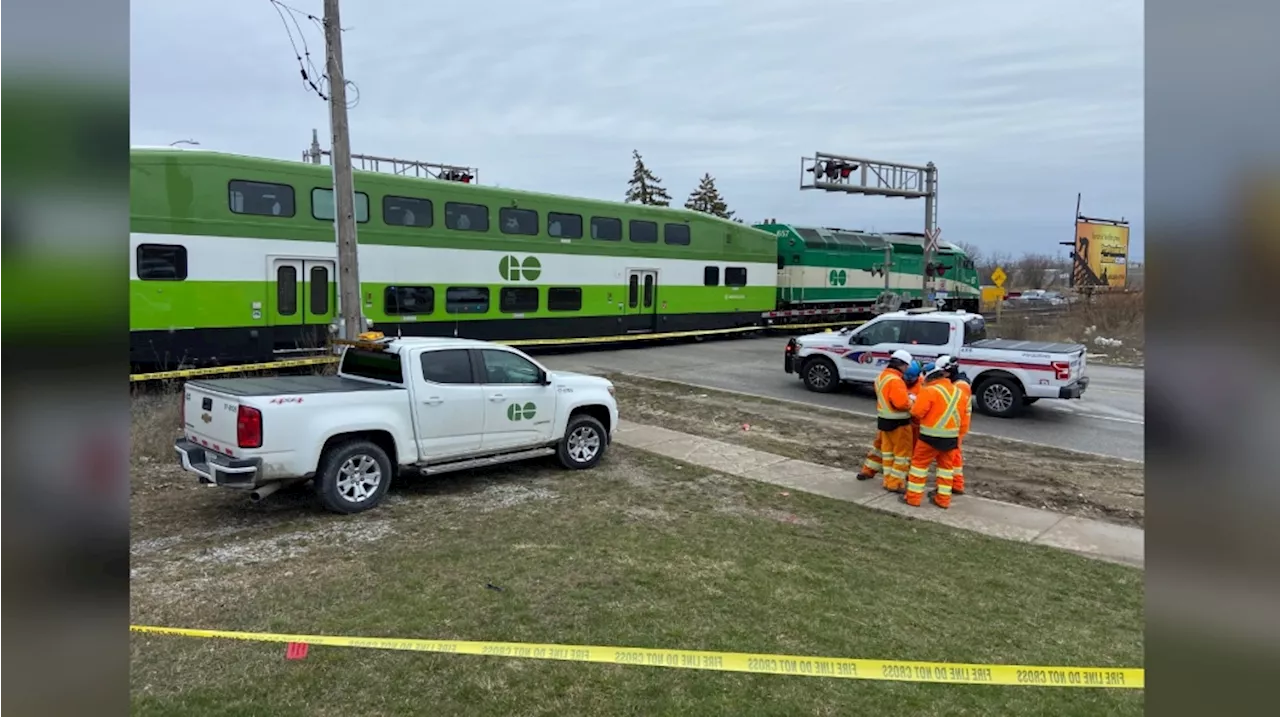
pixel 865 476
pixel 933 498
pixel 957 491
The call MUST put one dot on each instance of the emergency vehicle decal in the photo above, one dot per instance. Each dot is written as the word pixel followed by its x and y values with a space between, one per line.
pixel 883 357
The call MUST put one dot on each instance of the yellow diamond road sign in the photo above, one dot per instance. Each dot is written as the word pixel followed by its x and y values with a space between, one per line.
pixel 998 276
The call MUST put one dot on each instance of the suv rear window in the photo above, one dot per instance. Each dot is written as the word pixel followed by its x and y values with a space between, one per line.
pixel 975 329
pixel 376 365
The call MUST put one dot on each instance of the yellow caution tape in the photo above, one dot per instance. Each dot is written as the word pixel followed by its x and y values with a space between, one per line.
pixel 848 668
pixel 240 368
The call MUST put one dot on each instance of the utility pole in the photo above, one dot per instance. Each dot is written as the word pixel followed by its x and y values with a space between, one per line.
pixel 349 304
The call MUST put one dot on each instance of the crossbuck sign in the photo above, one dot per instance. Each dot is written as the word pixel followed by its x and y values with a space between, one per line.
pixel 932 237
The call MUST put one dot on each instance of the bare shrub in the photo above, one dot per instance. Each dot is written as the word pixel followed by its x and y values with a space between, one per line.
pixel 155 420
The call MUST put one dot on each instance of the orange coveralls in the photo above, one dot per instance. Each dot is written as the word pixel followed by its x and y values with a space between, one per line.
pixel 891 451
pixel 966 407
pixel 941 424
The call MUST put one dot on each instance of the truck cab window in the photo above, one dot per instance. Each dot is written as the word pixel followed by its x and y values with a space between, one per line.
pixel 451 366
pixel 506 367
pixel 882 332
pixel 928 333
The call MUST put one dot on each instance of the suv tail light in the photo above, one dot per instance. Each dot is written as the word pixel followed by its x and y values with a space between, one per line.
pixel 1062 369
pixel 791 346
pixel 248 427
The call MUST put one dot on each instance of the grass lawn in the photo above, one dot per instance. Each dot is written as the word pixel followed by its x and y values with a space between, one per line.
pixel 640 552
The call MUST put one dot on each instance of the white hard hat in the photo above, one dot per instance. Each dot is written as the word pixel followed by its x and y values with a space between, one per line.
pixel 901 355
pixel 945 362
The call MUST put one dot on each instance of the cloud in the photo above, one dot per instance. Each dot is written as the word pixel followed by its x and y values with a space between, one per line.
pixel 1020 104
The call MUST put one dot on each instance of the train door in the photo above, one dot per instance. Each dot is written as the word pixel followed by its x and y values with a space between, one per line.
pixel 641 315
pixel 300 303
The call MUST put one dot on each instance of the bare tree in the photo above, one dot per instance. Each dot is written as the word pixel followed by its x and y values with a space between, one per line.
pixel 1033 271
pixel 987 264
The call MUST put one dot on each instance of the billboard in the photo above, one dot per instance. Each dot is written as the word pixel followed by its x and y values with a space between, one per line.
pixel 1101 254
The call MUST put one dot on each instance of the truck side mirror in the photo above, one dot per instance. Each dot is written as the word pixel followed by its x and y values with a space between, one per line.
pixel 544 378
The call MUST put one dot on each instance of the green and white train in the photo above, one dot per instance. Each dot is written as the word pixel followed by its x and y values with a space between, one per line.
pixel 233 260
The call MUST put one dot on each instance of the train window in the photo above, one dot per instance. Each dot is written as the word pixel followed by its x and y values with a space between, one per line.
pixel 564 226
pixel 633 291
pixel 518 299
pixel 782 261
pixel 162 262
pixel 322 205
pixel 260 198
pixel 407 212
pixel 648 290
pixel 466 300
pixel 518 221
pixel 643 232
pixel 402 300
pixel 318 286
pixel 928 333
pixel 676 234
pixel 711 276
pixel 735 276
pixel 286 291
pixel 564 298
pixel 466 218
pixel 606 228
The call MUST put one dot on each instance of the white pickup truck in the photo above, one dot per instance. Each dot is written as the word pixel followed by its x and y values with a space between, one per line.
pixel 1006 375
pixel 427 404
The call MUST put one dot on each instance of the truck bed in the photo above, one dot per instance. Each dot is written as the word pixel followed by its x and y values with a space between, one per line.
pixel 1044 347
pixel 288 385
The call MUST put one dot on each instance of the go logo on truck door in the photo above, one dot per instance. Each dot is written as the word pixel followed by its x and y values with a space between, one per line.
pixel 517 412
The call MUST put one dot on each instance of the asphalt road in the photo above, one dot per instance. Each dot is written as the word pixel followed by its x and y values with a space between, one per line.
pixel 1108 420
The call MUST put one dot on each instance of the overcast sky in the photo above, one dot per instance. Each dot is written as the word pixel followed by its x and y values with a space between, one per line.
pixel 1020 103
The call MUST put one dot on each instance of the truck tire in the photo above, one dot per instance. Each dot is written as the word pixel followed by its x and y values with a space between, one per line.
pixel 1000 397
pixel 353 476
pixel 820 375
pixel 584 443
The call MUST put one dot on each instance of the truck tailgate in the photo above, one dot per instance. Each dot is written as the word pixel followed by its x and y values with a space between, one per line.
pixel 209 417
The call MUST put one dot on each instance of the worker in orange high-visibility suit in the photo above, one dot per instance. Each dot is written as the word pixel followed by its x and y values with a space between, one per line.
pixel 913 389
pixel 941 423
pixel 961 382
pixel 893 425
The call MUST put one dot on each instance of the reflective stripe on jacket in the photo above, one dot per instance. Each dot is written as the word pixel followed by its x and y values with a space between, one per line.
pixel 891 395
pixel 938 410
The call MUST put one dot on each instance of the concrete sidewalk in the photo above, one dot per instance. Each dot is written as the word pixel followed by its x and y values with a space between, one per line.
pixel 1090 538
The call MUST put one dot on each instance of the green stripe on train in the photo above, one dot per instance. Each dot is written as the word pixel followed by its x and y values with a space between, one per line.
pixel 162 305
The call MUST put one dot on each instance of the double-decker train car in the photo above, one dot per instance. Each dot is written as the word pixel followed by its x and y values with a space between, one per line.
pixel 233 260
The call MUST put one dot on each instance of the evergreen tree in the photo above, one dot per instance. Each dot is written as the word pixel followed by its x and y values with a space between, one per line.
pixel 706 199
pixel 644 187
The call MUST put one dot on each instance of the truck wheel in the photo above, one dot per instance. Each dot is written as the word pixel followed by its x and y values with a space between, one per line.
pixel 1000 397
pixel 583 444
pixel 820 375
pixel 353 477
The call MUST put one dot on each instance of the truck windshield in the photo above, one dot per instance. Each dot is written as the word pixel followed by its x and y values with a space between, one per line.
pixel 975 329
pixel 376 365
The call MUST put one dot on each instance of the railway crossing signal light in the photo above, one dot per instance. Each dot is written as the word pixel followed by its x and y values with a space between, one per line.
pixel 833 169
pixel 456 175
